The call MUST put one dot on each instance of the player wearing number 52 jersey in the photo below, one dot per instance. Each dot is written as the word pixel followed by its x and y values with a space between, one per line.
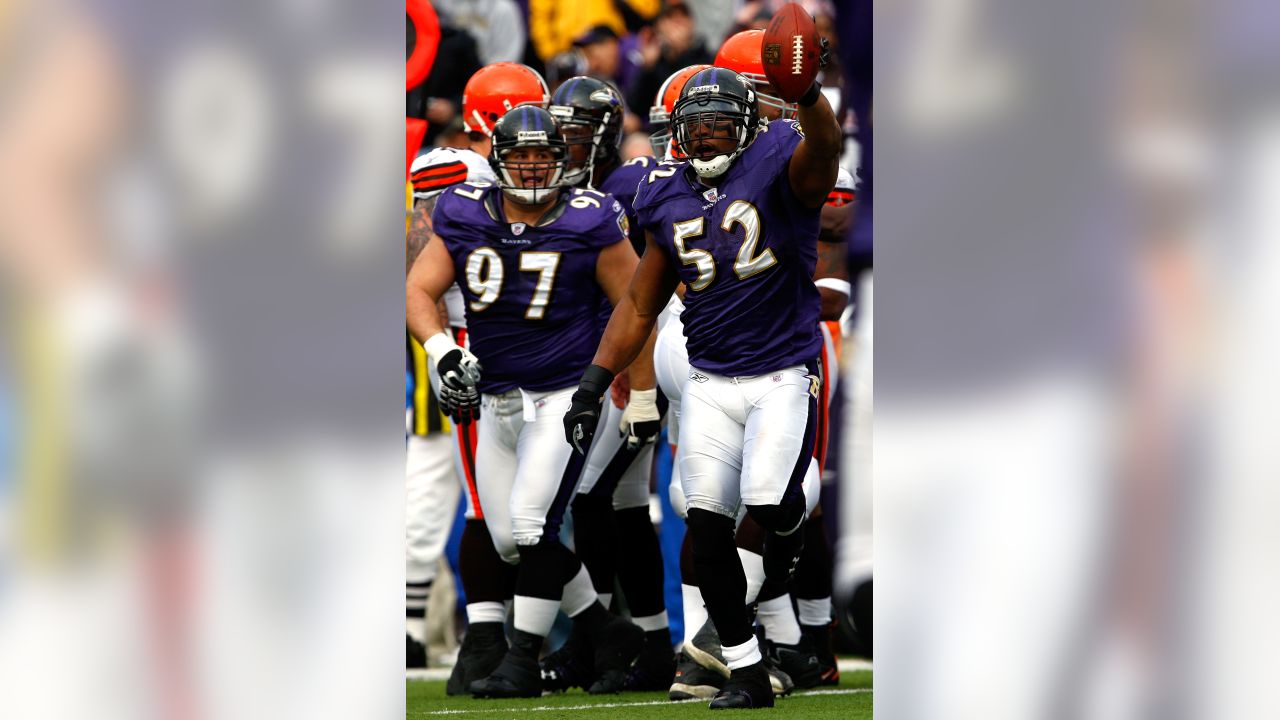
pixel 532 261
pixel 737 223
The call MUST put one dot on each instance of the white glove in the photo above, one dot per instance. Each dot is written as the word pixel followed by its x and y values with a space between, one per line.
pixel 459 372
pixel 640 421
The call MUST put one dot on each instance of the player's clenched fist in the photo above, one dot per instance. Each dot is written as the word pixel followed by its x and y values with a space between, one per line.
pixel 459 372
pixel 584 409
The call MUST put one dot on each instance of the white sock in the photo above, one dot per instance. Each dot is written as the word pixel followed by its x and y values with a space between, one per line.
pixel 779 620
pixel 417 629
pixel 815 612
pixel 740 656
pixel 482 612
pixel 695 612
pixel 649 623
pixel 605 599
pixel 535 615
pixel 578 593
pixel 753 567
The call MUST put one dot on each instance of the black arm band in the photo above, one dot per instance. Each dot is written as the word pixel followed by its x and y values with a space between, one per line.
pixel 596 380
pixel 812 94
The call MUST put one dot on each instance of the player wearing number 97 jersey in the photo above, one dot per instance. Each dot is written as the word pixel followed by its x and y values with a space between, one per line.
pixel 530 257
pixel 737 223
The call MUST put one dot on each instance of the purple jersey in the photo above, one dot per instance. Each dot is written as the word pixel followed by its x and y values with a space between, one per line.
pixel 746 250
pixel 622 184
pixel 525 286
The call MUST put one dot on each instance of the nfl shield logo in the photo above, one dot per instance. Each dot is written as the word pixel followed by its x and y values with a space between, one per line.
pixel 710 195
pixel 517 228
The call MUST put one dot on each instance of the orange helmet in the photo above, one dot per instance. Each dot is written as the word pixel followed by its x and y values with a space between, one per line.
pixel 660 112
pixel 495 89
pixel 741 53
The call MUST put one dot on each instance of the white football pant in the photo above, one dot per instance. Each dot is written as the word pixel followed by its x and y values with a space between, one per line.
pixel 747 440
pixel 522 461
pixel 431 499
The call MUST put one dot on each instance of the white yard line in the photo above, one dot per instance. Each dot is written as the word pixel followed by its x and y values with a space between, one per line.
pixel 553 708
pixel 845 665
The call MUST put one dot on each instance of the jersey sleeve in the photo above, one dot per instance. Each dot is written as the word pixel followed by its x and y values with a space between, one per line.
pixel 779 142
pixel 614 225
pixel 643 207
pixel 443 220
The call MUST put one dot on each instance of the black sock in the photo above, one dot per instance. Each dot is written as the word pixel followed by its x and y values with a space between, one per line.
pixel 593 618
pixel 526 644
pixel 485 576
pixel 657 642
pixel 639 562
pixel 688 568
pixel 720 574
pixel 415 599
pixel 595 539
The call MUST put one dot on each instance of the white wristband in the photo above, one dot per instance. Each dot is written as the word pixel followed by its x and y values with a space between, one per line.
pixel 644 399
pixel 439 345
pixel 840 286
pixel 642 406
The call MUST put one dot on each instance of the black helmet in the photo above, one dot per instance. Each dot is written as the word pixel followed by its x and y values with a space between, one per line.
pixel 527 126
pixel 589 102
pixel 721 99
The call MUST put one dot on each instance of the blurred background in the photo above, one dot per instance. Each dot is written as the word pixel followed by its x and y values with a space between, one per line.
pixel 201 468
pixel 635 44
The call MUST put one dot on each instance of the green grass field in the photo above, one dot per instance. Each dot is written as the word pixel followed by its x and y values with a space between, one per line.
pixel 851 700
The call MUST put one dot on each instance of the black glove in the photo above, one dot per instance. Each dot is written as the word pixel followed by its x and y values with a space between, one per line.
pixel 459 372
pixel 815 90
pixel 584 411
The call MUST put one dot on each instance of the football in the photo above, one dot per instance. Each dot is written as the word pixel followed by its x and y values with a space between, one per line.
pixel 789 50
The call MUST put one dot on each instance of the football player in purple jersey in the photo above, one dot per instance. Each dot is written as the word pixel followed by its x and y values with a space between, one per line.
pixel 529 256
pixel 612 531
pixel 737 223
pixel 613 534
pixel 487 581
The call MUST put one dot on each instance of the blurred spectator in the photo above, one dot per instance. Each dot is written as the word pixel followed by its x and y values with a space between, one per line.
pixel 555 24
pixel 439 98
pixel 454 136
pixel 712 20
pixel 753 15
pixel 496 25
pixel 635 145
pixel 599 46
pixel 669 46
pixel 831 76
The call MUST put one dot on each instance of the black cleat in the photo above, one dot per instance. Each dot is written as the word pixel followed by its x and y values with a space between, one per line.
pixel 748 688
pixel 567 667
pixel 415 653
pixel 615 646
pixel 819 638
pixel 654 669
pixel 798 661
pixel 517 676
pixel 705 649
pixel 483 648
pixel 694 681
